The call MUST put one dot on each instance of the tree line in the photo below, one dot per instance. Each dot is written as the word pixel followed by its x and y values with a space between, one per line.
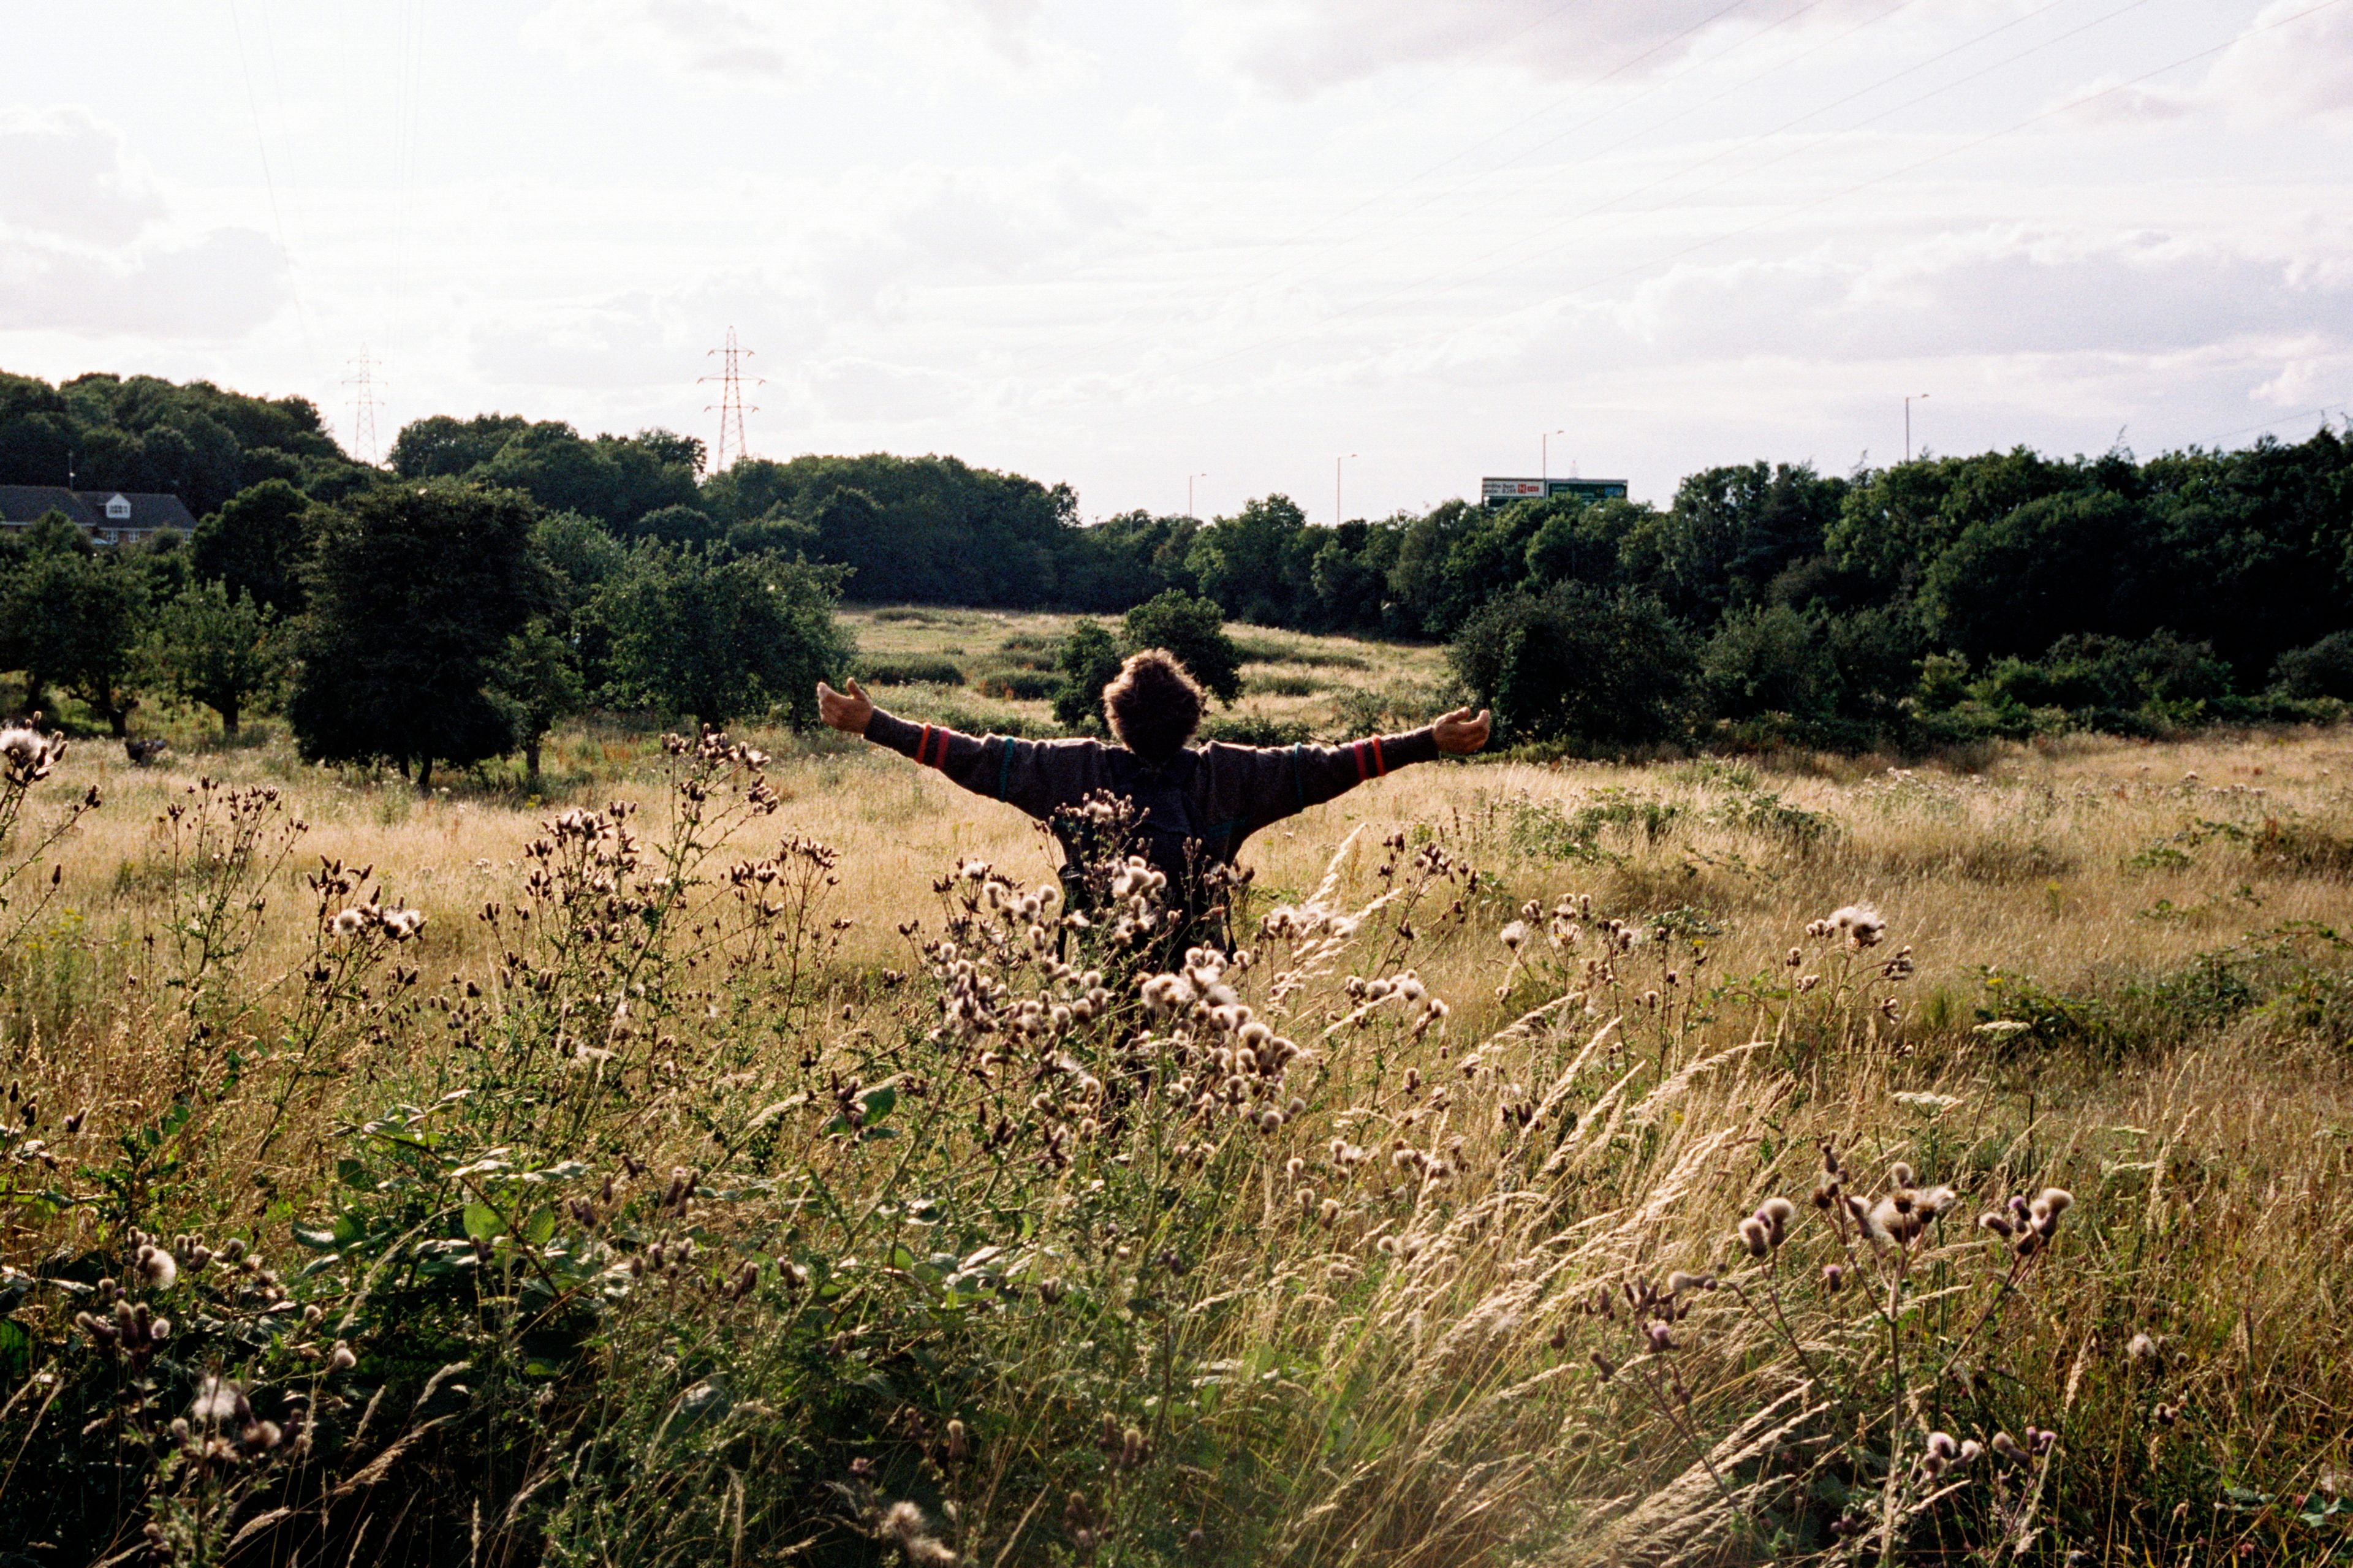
pixel 1937 599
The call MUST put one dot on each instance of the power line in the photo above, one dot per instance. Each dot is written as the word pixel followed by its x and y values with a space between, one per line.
pixel 1839 194
pixel 730 405
pixel 1590 154
pixel 1304 330
pixel 2276 424
pixel 269 184
pixel 1968 146
pixel 1407 184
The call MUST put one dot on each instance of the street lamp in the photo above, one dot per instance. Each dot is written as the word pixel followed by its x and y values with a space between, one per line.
pixel 1907 423
pixel 1338 516
pixel 1544 451
pixel 1189 494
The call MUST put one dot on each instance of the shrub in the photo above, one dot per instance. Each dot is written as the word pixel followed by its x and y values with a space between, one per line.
pixel 1254 730
pixel 1281 685
pixel 1021 685
pixel 1088 662
pixel 2324 669
pixel 1574 663
pixel 1195 631
pixel 914 670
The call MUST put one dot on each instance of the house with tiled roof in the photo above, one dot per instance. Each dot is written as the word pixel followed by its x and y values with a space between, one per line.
pixel 110 517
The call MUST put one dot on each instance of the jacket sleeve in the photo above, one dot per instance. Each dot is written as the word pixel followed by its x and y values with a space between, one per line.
pixel 1270 783
pixel 1038 776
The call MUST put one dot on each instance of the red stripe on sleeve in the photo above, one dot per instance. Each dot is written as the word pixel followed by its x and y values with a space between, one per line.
pixel 1379 760
pixel 923 748
pixel 1357 752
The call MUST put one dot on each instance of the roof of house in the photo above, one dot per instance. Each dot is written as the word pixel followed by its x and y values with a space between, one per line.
pixel 21 504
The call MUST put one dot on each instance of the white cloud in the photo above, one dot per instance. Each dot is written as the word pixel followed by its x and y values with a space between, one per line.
pixel 2288 69
pixel 724 38
pixel 223 284
pixel 866 392
pixel 64 174
pixel 929 226
pixel 86 248
pixel 761 42
pixel 1301 47
pixel 1987 293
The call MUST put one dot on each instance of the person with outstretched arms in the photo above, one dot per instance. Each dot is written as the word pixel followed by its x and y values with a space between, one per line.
pixel 1193 805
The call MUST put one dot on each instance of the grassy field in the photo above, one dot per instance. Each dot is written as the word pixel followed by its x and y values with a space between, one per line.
pixel 1335 686
pixel 733 1172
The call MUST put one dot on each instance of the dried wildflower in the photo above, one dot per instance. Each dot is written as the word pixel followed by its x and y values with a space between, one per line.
pixel 1659 1337
pixel 1834 1277
pixel 158 1267
pixel 1859 924
pixel 1758 1238
pixel 342 1359
pixel 2007 1446
pixel 218 1403
pixel 905 1525
pixel 28 755
pixel 2141 1348
pixel 1603 1366
pixel 348 923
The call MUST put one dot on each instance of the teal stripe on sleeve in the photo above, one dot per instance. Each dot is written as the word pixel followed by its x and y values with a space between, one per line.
pixel 1004 765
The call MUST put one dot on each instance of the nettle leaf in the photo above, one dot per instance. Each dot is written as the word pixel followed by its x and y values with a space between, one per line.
pixel 318 1238
pixel 482 1222
pixel 540 1226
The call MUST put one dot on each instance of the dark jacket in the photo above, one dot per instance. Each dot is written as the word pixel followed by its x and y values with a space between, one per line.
pixel 1233 791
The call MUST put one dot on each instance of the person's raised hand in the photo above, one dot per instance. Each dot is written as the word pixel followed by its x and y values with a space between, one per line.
pixel 845 711
pixel 1462 731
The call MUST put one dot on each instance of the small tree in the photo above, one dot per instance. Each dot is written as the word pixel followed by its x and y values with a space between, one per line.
pixel 1090 657
pixel 415 592
pixel 1195 631
pixel 695 633
pixel 1574 663
pixel 255 544
pixel 539 679
pixel 71 617
pixel 220 651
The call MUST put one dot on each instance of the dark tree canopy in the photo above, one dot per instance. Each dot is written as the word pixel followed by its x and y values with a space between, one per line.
pixel 256 544
pixel 413 594
pixel 699 632
pixel 139 433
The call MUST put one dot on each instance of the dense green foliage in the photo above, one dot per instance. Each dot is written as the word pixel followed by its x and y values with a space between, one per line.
pixel 139 433
pixel 415 590
pixel 716 635
pixel 1190 628
pixel 1943 599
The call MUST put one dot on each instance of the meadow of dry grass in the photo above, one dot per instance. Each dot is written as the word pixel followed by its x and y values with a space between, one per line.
pixel 1439 1286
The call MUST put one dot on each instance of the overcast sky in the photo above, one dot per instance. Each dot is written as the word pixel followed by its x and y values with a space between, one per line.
pixel 1116 245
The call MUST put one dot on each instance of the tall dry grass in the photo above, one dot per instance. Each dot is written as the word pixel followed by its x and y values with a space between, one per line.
pixel 1436 1285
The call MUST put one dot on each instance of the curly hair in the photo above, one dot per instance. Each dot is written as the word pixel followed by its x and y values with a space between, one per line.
pixel 1152 705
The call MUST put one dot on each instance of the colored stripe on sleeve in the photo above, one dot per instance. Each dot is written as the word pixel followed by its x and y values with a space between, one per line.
pixel 1380 762
pixel 1357 752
